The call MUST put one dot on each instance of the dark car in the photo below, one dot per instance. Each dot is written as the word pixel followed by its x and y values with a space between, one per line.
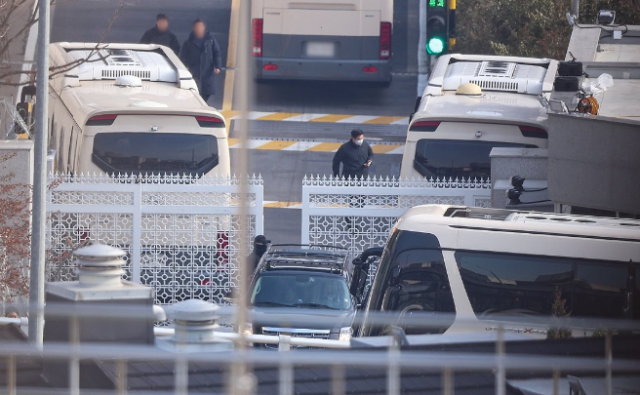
pixel 302 291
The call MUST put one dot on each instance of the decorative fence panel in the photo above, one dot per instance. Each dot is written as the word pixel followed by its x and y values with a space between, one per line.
pixel 182 235
pixel 359 214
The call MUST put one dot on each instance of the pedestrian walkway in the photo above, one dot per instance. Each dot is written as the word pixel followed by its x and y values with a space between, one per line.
pixel 311 146
pixel 322 118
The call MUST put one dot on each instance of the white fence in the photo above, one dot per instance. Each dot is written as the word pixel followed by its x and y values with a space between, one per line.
pixel 182 235
pixel 359 214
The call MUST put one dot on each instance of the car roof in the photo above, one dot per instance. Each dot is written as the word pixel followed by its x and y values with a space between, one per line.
pixel 301 258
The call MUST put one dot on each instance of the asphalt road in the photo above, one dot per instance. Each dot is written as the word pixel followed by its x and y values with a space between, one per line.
pixel 282 171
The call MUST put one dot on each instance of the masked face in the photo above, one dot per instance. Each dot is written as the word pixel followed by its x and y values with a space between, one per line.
pixel 261 249
pixel 359 142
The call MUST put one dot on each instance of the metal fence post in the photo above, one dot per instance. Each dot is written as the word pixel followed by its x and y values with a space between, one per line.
pixel 609 362
pixel 338 386
pixel 447 381
pixel 136 237
pixel 501 373
pixel 393 370
pixel 286 369
pixel 121 380
pixel 304 234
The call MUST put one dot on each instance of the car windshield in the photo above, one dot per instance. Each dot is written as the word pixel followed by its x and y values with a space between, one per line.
pixel 172 153
pixel 301 290
pixel 453 158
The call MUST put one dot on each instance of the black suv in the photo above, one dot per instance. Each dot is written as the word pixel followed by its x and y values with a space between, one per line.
pixel 302 291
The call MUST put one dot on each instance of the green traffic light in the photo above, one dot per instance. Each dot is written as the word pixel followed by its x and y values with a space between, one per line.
pixel 435 46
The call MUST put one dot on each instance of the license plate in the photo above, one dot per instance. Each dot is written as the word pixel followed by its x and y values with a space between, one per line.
pixel 321 50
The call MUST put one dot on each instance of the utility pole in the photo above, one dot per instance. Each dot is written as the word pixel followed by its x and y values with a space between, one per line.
pixel 38 218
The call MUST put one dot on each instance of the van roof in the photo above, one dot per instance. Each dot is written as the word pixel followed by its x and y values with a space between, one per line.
pixel 167 87
pixel 420 218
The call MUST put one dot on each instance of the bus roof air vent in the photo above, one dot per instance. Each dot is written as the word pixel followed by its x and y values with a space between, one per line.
pixel 496 75
pixel 112 64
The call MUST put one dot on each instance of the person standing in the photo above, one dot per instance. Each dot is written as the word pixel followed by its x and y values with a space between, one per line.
pixel 356 157
pixel 260 246
pixel 201 54
pixel 161 35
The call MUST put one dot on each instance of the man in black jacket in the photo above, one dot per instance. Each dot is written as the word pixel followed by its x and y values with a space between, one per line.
pixel 201 54
pixel 260 246
pixel 161 35
pixel 355 155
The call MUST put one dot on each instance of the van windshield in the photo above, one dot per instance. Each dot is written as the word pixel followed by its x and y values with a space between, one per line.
pixel 171 153
pixel 457 158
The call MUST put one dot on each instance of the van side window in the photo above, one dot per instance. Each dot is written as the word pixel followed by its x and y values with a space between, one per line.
pixel 511 284
pixel 599 289
pixel 419 290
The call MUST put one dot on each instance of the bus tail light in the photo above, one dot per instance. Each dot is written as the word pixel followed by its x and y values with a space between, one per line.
pixel 210 122
pixel 385 40
pixel 370 69
pixel 256 37
pixel 102 120
pixel 532 131
pixel 270 67
pixel 424 126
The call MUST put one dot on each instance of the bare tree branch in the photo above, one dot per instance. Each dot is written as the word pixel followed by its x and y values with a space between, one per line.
pixel 9 8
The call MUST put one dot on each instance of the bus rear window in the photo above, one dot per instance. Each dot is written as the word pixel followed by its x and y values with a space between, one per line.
pixel 456 158
pixel 159 153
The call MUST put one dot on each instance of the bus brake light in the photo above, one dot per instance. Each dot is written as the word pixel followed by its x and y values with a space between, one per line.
pixel 270 67
pixel 210 122
pixel 385 40
pixel 370 69
pixel 532 131
pixel 102 120
pixel 256 38
pixel 424 126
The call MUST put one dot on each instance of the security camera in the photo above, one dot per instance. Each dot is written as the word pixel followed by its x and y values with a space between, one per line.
pixel 606 17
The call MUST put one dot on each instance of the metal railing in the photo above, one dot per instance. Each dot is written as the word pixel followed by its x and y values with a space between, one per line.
pixel 399 355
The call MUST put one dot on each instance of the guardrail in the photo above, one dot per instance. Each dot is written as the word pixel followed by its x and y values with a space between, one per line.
pixel 392 359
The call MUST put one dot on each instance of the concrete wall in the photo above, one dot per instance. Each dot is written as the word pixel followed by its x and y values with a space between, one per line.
pixel 20 166
pixel 594 162
pixel 21 163
pixel 530 163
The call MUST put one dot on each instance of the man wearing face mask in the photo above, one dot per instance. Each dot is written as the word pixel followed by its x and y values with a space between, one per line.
pixel 355 155
pixel 260 245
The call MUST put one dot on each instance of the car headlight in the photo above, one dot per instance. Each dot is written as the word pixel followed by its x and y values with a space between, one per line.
pixel 248 329
pixel 345 334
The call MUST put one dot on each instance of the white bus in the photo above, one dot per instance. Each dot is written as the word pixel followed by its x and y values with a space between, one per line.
pixel 471 104
pixel 486 265
pixel 346 40
pixel 131 108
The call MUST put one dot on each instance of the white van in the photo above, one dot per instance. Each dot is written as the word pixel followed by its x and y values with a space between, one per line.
pixel 320 40
pixel 484 265
pixel 471 104
pixel 131 108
